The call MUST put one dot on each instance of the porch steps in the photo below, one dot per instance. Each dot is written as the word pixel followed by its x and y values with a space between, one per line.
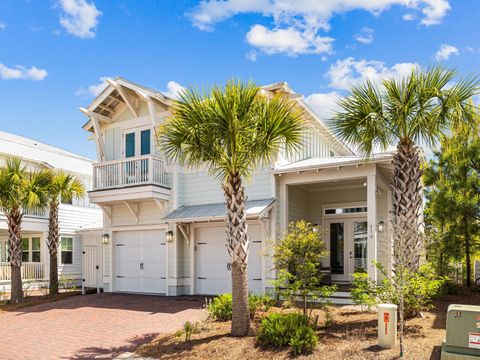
pixel 341 298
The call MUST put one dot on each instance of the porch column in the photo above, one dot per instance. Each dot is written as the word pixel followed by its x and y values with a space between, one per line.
pixel 45 256
pixel 283 207
pixel 372 226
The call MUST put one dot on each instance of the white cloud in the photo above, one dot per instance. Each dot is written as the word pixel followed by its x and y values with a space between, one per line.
pixel 79 17
pixel 174 90
pixel 324 104
pixel 409 17
pixel 297 23
pixel 349 72
pixel 251 55
pixel 290 41
pixel 314 13
pixel 93 90
pixel 21 72
pixel 365 36
pixel 3 26
pixel 445 52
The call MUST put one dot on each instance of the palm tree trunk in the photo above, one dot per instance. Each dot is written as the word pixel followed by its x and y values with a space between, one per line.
pixel 52 242
pixel 407 199
pixel 14 220
pixel 238 245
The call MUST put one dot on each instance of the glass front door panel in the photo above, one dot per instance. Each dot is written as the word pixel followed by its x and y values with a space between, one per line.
pixel 337 248
pixel 360 245
pixel 130 145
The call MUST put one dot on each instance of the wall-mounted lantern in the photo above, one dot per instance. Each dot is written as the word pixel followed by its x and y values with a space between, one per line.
pixel 105 239
pixel 381 226
pixel 169 236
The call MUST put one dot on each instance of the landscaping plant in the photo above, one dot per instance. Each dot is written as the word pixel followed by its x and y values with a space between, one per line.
pixel 453 197
pixel 298 261
pixel 287 329
pixel 220 308
pixel 419 108
pixel 20 189
pixel 232 131
pixel 65 187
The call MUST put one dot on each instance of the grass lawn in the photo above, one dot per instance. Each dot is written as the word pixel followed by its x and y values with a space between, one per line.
pixel 35 299
pixel 353 336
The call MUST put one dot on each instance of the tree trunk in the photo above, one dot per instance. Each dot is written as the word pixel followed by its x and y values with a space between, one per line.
pixel 407 198
pixel 52 243
pixel 468 264
pixel 14 220
pixel 238 246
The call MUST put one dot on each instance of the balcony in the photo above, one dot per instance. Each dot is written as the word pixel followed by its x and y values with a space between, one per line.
pixel 131 178
pixel 30 271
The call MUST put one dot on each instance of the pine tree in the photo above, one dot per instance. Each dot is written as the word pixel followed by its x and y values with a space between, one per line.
pixel 453 208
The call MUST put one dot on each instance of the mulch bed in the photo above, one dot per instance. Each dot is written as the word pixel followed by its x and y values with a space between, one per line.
pixel 35 300
pixel 352 336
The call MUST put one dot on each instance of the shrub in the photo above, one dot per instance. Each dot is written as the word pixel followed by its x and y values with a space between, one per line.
pixel 329 318
pixel 220 307
pixel 304 341
pixel 278 329
pixel 419 290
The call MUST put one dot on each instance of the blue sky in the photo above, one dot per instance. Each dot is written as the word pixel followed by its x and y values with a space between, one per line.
pixel 54 53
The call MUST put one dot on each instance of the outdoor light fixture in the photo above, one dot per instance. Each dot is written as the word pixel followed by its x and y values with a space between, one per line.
pixel 105 238
pixel 169 236
pixel 381 226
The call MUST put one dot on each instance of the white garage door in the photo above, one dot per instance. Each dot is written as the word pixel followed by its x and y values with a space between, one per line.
pixel 212 263
pixel 140 261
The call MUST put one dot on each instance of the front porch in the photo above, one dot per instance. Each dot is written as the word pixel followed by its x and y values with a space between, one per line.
pixel 352 204
pixel 31 271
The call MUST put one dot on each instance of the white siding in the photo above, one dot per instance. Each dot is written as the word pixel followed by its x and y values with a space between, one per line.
pixel 384 246
pixel 113 143
pixel 298 204
pixel 72 270
pixel 72 218
pixel 148 213
pixel 314 146
pixel 198 187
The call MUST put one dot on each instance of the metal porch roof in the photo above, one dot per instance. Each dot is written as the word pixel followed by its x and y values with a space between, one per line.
pixel 207 212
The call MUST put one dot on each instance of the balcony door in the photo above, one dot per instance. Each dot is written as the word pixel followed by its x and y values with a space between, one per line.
pixel 137 142
pixel 347 245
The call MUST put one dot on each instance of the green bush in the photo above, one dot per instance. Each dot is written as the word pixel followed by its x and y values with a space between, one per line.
pixel 220 307
pixel 421 288
pixel 304 341
pixel 279 329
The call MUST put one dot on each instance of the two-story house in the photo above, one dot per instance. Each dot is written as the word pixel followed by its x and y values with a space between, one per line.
pixel 164 229
pixel 73 215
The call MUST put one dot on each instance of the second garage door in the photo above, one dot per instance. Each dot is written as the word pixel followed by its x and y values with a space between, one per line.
pixel 212 263
pixel 140 261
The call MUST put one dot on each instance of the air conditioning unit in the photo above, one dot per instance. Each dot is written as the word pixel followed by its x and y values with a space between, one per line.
pixel 463 333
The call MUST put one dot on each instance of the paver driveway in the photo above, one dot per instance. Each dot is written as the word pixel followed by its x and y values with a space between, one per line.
pixel 92 326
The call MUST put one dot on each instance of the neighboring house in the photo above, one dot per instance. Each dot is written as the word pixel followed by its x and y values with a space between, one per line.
pixel 164 224
pixel 72 214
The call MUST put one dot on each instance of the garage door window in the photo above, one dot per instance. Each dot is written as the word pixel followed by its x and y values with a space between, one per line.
pixel 67 250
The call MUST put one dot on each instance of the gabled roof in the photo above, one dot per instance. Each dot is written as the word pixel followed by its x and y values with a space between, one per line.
pixel 212 212
pixel 43 154
pixel 118 91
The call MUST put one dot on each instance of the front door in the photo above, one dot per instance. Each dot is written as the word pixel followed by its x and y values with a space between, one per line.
pixel 347 245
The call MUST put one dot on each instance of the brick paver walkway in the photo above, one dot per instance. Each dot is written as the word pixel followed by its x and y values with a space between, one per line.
pixel 99 326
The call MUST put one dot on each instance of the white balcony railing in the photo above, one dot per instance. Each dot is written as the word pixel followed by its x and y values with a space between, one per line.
pixel 30 271
pixel 141 170
pixel 40 213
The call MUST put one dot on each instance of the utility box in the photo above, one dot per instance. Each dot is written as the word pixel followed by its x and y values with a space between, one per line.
pixel 387 325
pixel 463 333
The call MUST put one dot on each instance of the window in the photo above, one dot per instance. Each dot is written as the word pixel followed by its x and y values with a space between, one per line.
pixel 130 145
pixel 346 210
pixel 25 249
pixel 35 249
pixel 145 142
pixel 66 248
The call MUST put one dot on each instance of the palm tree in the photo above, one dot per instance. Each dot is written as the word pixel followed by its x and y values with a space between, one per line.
pixel 408 111
pixel 232 131
pixel 63 186
pixel 20 189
